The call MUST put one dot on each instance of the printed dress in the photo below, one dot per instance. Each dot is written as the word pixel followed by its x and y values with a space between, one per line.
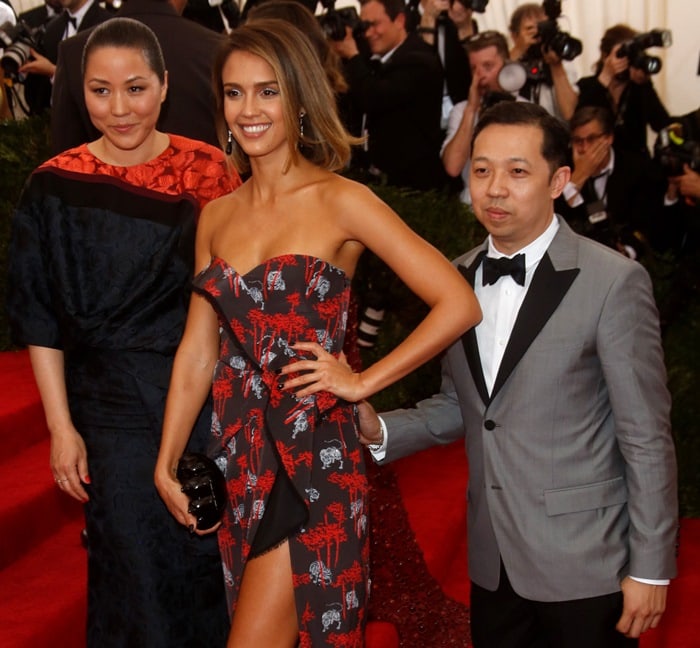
pixel 294 467
pixel 101 261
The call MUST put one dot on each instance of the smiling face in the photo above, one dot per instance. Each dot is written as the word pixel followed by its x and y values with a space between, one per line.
pixel 123 96
pixel 253 107
pixel 512 185
pixel 383 34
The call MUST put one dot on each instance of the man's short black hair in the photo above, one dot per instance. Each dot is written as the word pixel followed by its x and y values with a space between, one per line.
pixel 555 140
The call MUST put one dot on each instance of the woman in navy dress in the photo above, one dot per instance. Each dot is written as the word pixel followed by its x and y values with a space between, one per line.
pixel 267 320
pixel 101 259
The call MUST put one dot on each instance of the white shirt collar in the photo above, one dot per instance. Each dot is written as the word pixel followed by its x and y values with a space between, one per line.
pixel 80 14
pixel 533 251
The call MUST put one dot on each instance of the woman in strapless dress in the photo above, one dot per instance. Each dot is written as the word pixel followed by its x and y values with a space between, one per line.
pixel 267 320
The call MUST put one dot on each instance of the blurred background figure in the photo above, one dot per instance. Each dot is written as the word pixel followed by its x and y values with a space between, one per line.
pixel 488 54
pixel 622 83
pixel 189 50
pixel 74 16
pixel 613 197
pixel 399 92
pixel 430 19
pixel 545 52
pixel 218 15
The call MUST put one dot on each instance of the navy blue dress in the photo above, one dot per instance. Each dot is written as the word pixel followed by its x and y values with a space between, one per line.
pixel 101 260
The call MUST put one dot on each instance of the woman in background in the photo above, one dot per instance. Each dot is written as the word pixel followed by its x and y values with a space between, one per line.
pixel 268 321
pixel 101 258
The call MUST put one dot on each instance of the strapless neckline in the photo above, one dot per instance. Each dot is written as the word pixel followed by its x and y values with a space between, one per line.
pixel 270 260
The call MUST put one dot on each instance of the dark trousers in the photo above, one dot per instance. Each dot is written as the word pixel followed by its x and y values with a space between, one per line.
pixel 503 619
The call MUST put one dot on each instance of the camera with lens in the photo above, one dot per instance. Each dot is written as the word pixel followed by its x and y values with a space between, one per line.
pixel 634 50
pixel 334 21
pixel 675 146
pixel 17 40
pixel 476 5
pixel 549 37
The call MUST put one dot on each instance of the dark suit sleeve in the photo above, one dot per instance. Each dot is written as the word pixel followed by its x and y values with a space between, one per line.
pixel 70 125
pixel 396 83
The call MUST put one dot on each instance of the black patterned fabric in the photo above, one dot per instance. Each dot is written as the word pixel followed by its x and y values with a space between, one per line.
pixel 294 466
pixel 100 263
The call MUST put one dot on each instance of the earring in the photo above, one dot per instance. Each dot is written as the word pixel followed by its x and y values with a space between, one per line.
pixel 301 124
pixel 229 143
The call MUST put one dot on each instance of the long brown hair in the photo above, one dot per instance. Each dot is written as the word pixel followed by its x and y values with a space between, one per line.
pixel 304 89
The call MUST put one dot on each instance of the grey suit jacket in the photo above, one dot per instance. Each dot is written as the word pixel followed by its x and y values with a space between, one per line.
pixel 572 474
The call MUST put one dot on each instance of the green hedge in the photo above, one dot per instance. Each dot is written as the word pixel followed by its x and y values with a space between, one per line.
pixel 452 228
pixel 23 145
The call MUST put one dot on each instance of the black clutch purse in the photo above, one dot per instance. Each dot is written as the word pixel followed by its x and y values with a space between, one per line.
pixel 205 486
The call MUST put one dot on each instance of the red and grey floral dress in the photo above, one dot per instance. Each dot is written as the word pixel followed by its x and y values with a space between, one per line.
pixel 294 467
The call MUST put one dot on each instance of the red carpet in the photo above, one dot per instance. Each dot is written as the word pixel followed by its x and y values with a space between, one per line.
pixel 420 582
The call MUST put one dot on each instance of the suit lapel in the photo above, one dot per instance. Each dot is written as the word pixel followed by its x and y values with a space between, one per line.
pixel 545 293
pixel 469 338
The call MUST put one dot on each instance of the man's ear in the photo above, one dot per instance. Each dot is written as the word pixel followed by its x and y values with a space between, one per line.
pixel 559 180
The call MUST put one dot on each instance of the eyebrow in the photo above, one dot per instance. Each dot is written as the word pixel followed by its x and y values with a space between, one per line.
pixel 260 84
pixel 483 158
pixel 129 80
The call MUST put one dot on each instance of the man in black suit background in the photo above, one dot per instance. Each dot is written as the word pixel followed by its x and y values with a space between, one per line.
pixel 189 50
pixel 430 19
pixel 74 16
pixel 400 93
pixel 41 14
pixel 614 195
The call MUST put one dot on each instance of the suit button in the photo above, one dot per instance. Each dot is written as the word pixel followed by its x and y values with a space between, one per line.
pixel 490 425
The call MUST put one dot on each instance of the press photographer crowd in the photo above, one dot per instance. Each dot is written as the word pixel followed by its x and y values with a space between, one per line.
pixel 621 193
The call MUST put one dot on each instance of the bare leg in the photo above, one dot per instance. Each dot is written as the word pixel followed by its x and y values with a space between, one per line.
pixel 265 614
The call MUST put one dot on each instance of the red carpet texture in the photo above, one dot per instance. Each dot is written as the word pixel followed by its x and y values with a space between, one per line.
pixel 420 582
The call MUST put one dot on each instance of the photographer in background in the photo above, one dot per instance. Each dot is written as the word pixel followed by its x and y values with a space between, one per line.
pixel 555 91
pixel 677 150
pixel 76 15
pixel 613 196
pixel 431 20
pixel 399 91
pixel 189 50
pixel 488 54
pixel 625 89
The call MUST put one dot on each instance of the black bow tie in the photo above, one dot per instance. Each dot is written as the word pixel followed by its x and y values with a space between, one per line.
pixel 493 269
pixel 70 19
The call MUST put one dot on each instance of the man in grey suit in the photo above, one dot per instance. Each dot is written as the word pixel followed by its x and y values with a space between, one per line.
pixel 560 395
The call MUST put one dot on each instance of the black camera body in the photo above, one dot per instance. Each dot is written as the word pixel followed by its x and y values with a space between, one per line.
pixel 549 37
pixel 677 145
pixel 479 6
pixel 334 22
pixel 552 38
pixel 634 48
pixel 17 40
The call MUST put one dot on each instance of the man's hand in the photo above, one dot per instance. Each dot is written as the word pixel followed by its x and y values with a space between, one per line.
pixel 39 65
pixel 688 184
pixel 642 608
pixel 370 430
pixel 431 10
pixel 612 66
pixel 346 48
pixel 587 162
